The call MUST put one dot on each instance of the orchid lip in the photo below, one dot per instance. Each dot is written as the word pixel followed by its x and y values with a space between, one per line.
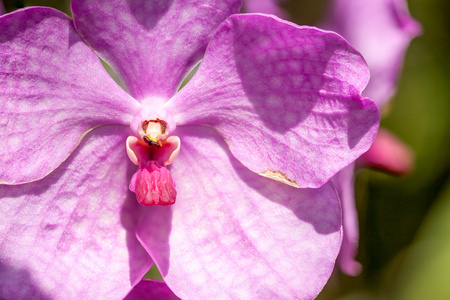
pixel 153 183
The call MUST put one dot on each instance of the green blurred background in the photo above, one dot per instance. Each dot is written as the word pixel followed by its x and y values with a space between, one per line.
pixel 404 222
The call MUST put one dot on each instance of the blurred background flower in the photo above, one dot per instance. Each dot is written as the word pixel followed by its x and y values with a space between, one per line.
pixel 404 245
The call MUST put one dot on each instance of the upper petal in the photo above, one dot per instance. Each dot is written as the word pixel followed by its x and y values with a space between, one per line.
pixel 53 88
pixel 152 290
pixel 235 235
pixel 286 98
pixel 151 44
pixel 381 30
pixel 71 234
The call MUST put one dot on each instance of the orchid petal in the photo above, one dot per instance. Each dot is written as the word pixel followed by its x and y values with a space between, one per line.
pixel 344 182
pixel 285 97
pixel 53 89
pixel 152 290
pixel 152 45
pixel 71 234
pixel 236 235
pixel 382 31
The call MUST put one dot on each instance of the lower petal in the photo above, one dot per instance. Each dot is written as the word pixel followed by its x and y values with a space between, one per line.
pixel 71 234
pixel 235 234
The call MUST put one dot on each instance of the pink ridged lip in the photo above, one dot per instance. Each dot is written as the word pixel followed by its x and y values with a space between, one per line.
pixel 153 185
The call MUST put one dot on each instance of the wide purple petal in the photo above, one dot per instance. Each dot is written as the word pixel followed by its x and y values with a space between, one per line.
pixel 382 31
pixel 151 44
pixel 236 235
pixel 285 97
pixel 71 234
pixel 53 89
pixel 344 182
pixel 152 290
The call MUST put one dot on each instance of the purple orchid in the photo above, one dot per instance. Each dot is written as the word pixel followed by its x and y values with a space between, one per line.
pixel 382 30
pixel 270 98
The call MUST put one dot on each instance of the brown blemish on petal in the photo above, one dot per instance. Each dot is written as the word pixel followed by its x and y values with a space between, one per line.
pixel 278 176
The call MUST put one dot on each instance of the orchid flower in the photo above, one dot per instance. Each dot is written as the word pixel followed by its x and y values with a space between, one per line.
pixel 224 184
pixel 382 31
